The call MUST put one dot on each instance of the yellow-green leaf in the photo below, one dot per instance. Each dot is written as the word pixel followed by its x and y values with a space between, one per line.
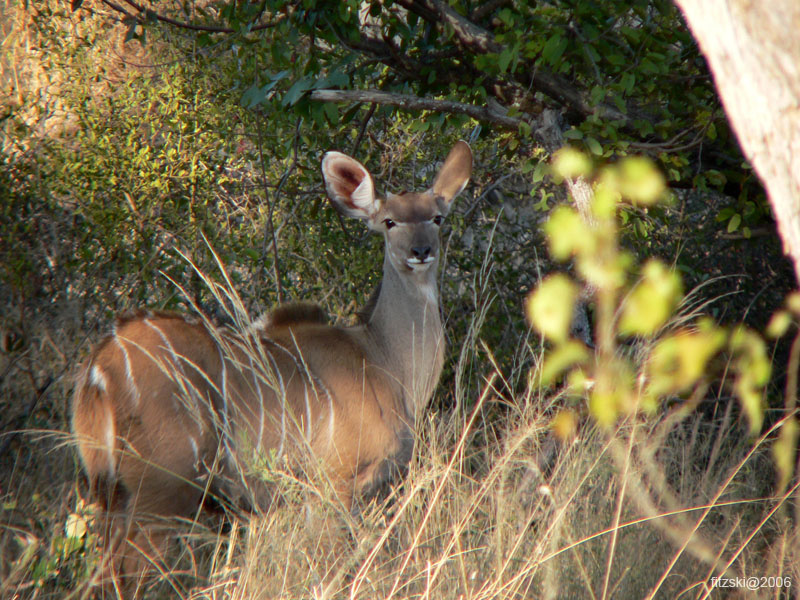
pixel 752 367
pixel 567 234
pixel 651 302
pixel 564 424
pixel 779 324
pixel 679 360
pixel 603 407
pixel 561 358
pixel 569 163
pixel 603 271
pixel 784 450
pixel 549 307
pixel 793 302
pixel 612 394
pixel 640 181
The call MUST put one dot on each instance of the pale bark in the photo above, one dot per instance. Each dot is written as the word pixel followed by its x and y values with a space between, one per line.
pixel 753 50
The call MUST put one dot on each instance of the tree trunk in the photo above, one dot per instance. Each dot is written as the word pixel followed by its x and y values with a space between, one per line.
pixel 753 50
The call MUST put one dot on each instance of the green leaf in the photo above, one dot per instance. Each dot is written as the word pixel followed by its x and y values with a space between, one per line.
pixel 628 82
pixel 553 48
pixel 734 223
pixel 597 94
pixel 725 214
pixel 253 96
pixel 505 58
pixel 337 79
pixel 715 177
pixel 540 171
pixel 331 112
pixel 616 59
pixel 594 146
pixel 300 87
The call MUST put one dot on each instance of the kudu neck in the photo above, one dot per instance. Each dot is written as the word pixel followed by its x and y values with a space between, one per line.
pixel 405 324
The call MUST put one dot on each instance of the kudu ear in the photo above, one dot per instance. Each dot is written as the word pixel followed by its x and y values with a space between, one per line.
pixel 454 174
pixel 349 185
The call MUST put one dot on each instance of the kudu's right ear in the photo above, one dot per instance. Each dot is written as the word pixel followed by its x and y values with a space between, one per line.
pixel 349 185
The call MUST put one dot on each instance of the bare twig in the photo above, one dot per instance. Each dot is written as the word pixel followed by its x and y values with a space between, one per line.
pixel 363 129
pixel 20 419
pixel 270 215
pixel 181 24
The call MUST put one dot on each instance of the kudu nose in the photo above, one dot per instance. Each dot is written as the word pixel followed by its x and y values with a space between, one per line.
pixel 421 252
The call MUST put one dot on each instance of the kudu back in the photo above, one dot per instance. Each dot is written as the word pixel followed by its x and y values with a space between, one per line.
pixel 168 408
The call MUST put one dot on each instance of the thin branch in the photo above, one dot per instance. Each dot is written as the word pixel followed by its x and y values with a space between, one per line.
pixel 407 102
pixel 117 8
pixel 181 24
pixel 363 129
pixel 270 225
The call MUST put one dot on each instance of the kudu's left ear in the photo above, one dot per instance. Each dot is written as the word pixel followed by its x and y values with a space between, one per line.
pixel 349 185
pixel 454 174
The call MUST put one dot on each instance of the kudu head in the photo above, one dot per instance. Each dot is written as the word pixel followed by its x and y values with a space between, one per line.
pixel 408 221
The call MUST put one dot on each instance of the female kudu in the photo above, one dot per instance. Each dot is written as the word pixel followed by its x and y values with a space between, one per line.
pixel 169 408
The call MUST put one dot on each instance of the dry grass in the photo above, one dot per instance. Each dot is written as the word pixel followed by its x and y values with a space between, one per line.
pixel 653 509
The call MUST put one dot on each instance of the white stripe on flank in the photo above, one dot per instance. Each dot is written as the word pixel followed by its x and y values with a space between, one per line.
pixel 98 379
pixel 310 379
pixel 163 337
pixel 109 442
pixel 195 450
pixel 308 405
pixel 330 419
pixel 129 372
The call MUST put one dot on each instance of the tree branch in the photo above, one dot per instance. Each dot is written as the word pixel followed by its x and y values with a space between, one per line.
pixel 407 102
pixel 479 40
pixel 470 35
pixel 170 21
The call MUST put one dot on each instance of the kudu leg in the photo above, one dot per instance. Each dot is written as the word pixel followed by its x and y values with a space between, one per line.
pixel 137 538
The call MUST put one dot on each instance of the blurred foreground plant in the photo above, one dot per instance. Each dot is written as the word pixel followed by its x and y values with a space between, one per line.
pixel 631 302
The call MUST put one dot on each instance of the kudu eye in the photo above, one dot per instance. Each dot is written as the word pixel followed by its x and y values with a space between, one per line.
pixel 389 223
pixel 438 220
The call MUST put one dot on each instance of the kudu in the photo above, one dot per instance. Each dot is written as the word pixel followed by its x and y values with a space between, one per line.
pixel 168 408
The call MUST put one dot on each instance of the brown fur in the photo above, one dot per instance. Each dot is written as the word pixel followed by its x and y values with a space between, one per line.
pixel 169 410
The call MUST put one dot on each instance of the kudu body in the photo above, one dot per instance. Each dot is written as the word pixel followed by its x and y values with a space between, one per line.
pixel 168 408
